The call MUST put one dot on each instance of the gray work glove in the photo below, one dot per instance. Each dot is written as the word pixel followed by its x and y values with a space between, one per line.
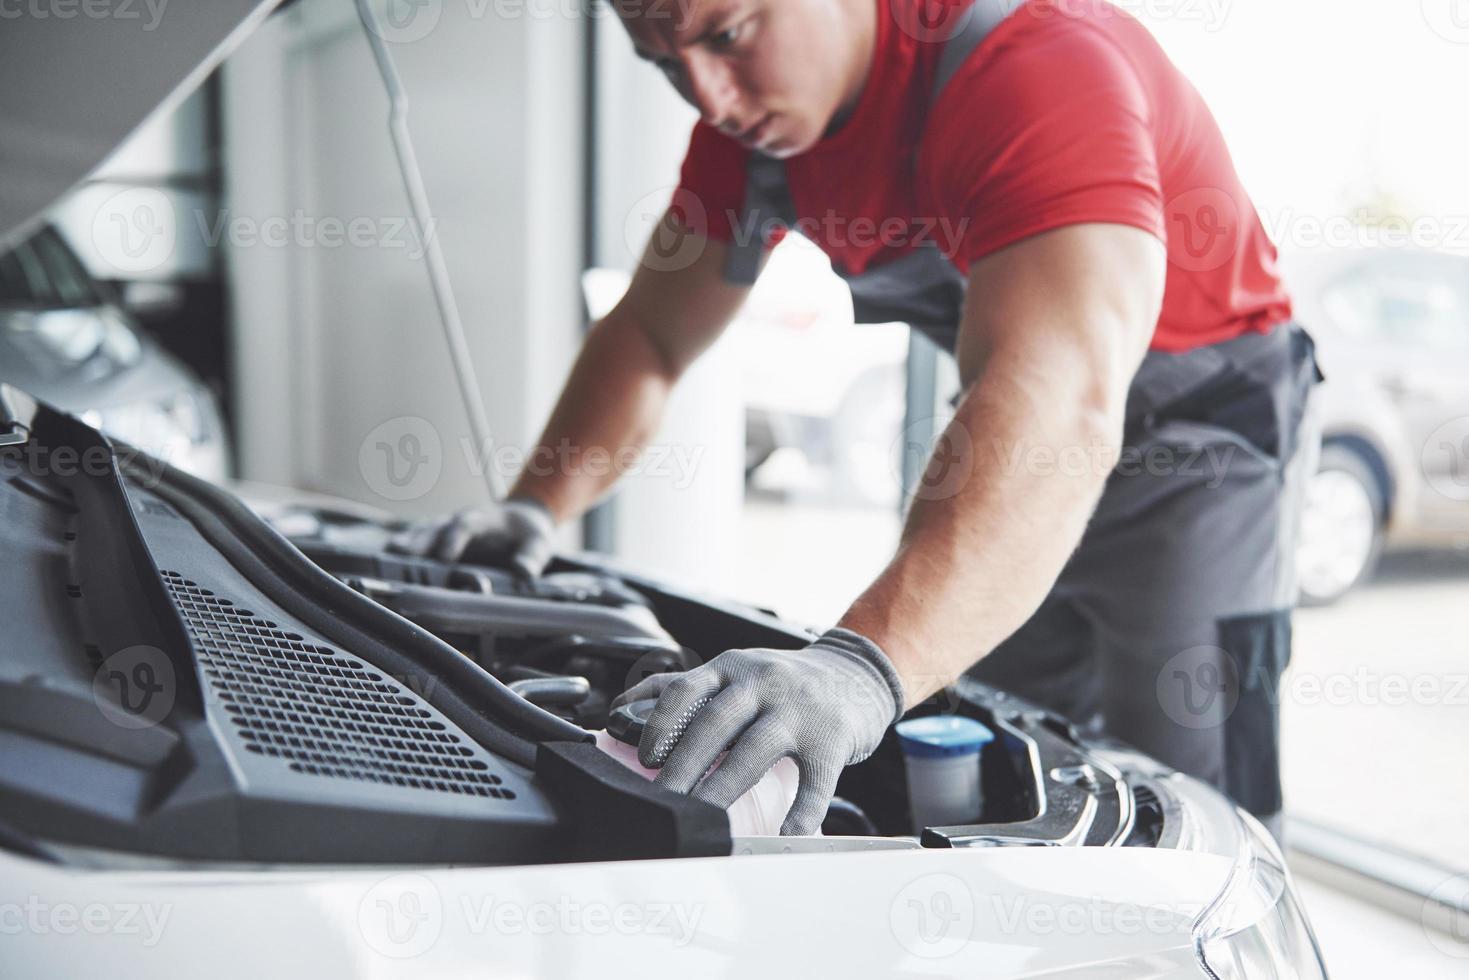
pixel 520 532
pixel 826 705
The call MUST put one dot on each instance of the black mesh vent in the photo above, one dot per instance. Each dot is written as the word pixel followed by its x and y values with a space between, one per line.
pixel 322 712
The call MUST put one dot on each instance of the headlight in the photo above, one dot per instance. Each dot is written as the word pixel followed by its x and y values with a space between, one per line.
pixel 180 428
pixel 168 424
pixel 1255 927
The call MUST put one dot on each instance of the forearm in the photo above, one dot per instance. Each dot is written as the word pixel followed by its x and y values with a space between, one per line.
pixel 981 550
pixel 611 405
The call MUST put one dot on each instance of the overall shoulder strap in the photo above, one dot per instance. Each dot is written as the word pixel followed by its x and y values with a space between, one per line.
pixel 767 198
pixel 982 17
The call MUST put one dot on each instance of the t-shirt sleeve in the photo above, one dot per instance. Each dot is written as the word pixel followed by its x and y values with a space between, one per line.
pixel 1052 128
pixel 711 188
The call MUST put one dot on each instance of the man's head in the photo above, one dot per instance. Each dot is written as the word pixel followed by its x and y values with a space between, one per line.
pixel 775 74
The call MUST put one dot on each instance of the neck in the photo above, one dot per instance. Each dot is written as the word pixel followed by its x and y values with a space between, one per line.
pixel 862 16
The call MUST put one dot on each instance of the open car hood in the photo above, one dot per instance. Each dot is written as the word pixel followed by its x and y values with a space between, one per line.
pixel 75 86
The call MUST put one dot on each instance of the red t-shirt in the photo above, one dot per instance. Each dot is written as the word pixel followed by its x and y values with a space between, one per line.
pixel 1068 112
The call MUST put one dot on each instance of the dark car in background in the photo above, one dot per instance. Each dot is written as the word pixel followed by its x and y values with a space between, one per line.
pixel 64 337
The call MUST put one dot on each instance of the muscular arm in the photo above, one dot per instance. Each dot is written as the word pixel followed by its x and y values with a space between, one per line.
pixel 1056 327
pixel 627 367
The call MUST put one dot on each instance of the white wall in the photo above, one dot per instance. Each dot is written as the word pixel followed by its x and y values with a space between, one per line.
pixel 338 350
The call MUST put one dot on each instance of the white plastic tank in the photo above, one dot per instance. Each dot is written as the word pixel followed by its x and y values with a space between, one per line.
pixel 759 812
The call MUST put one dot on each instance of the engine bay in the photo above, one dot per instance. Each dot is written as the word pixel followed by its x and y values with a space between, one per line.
pixel 585 633
pixel 188 680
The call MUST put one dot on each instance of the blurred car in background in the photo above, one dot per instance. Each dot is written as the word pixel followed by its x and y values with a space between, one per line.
pixel 1392 331
pixel 64 337
pixel 823 396
pixel 834 392
pixel 826 390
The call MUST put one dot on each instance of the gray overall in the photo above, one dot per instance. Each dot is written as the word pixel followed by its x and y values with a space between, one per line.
pixel 1170 625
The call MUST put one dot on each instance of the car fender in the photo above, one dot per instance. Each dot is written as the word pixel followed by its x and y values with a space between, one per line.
pixel 993 912
pixel 1361 414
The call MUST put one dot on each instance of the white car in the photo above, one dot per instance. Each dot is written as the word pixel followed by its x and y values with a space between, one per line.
pixel 991 912
pixel 236 747
pixel 222 750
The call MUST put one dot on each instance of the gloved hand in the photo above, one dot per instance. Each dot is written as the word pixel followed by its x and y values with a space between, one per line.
pixel 520 532
pixel 826 705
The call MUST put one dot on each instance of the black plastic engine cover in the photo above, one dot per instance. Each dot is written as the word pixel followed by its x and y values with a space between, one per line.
pixel 153 699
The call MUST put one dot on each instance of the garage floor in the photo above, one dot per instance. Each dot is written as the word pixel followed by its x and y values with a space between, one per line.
pixel 1362 942
pixel 1368 752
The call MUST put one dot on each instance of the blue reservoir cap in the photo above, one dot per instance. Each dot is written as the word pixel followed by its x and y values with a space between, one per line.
pixel 940 736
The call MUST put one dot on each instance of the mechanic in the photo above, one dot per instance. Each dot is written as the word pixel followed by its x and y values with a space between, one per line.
pixel 1035 186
